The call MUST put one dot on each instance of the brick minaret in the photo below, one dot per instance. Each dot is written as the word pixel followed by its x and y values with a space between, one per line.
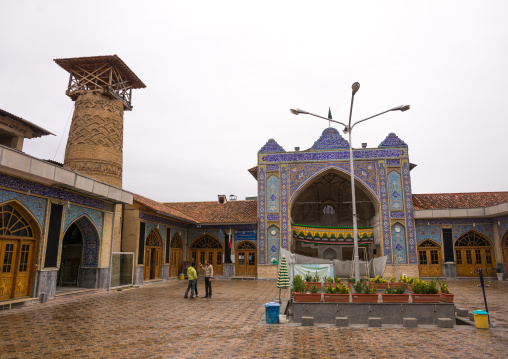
pixel 102 87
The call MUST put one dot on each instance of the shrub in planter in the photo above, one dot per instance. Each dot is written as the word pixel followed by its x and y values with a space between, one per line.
pixel 446 296
pixel 298 285
pixel 395 294
pixel 378 282
pixel 424 292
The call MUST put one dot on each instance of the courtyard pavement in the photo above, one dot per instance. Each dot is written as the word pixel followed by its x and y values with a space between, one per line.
pixel 156 321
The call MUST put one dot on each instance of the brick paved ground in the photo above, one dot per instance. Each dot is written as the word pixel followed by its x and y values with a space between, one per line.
pixel 155 321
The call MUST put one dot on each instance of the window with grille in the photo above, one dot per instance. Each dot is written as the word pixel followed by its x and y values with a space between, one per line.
pixel 246 245
pixel 472 239
pixel 207 242
pixel 488 256
pixel 23 261
pixel 13 224
pixel 423 257
pixel 458 254
pixel 434 256
pixel 9 249
pixel 153 239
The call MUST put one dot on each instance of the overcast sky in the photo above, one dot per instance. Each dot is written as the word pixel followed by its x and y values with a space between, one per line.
pixel 221 77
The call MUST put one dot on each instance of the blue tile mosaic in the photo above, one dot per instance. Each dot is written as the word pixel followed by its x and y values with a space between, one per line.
pixel 399 243
pixel 302 173
pixel 502 229
pixel 245 235
pixel 385 220
pixel 393 163
pixel 392 141
pixel 91 242
pixel 410 221
pixel 272 168
pixel 273 243
pixel 193 234
pixel 332 156
pixel 395 191
pixel 485 229
pixel 46 191
pixel 36 205
pixel 72 212
pixel 284 207
pixel 396 214
pixel 272 217
pixel 330 140
pixel 272 194
pixel 261 216
pixel 428 232
pixel 162 220
pixel 271 146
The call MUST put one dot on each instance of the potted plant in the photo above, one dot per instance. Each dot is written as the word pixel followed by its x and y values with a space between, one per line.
pixel 300 294
pixel 395 295
pixel 446 296
pixel 337 294
pixel 327 282
pixel 378 282
pixel 312 280
pixel 364 293
pixel 424 292
pixel 351 281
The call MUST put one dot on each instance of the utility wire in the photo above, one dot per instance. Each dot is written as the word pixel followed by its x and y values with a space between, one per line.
pixel 61 138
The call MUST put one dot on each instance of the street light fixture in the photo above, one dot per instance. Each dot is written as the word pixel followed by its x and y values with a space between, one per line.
pixel 348 129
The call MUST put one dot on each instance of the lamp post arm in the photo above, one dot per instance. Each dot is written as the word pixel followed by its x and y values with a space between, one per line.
pixel 325 118
pixel 368 118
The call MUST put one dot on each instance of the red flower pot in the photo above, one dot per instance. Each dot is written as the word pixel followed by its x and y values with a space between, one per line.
pixel 311 284
pixel 365 298
pixel 447 297
pixel 379 286
pixel 307 297
pixel 395 298
pixel 336 298
pixel 426 298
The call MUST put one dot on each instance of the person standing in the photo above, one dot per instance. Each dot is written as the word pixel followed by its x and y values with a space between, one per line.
pixel 197 279
pixel 208 278
pixel 192 277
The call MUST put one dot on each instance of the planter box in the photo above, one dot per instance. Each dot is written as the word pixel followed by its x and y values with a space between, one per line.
pixel 378 286
pixel 307 297
pixel 336 298
pixel 311 284
pixel 395 298
pixel 400 284
pixel 365 298
pixel 426 298
pixel 447 297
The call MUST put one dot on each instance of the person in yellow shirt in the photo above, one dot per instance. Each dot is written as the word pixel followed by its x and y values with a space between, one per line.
pixel 192 277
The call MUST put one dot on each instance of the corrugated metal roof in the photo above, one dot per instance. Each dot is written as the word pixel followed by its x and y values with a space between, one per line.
pixel 39 131
pixel 458 200
pixel 69 63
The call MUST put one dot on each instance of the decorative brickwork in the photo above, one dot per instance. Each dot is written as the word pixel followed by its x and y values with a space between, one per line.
pixel 95 143
pixel 267 271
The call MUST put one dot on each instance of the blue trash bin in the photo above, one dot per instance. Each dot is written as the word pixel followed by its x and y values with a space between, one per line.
pixel 272 311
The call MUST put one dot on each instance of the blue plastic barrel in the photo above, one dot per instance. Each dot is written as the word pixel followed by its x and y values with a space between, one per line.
pixel 272 310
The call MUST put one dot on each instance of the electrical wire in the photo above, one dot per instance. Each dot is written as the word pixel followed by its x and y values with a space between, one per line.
pixel 61 138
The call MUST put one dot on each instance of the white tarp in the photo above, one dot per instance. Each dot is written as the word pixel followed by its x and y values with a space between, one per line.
pixel 320 269
pixel 340 268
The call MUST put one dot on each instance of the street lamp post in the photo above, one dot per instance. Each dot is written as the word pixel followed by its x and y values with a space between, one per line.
pixel 349 129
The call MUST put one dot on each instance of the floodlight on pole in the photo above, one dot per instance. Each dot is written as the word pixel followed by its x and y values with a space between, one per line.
pixel 348 129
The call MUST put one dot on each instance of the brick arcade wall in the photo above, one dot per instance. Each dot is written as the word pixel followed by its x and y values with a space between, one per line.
pixel 410 270
pixel 267 271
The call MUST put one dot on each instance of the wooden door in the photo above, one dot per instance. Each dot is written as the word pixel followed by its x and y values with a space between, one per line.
pixel 429 259
pixel 24 261
pixel 473 252
pixel 506 252
pixel 246 263
pixel 209 248
pixel 155 263
pixel 146 268
pixel 175 256
pixel 175 262
pixel 8 250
